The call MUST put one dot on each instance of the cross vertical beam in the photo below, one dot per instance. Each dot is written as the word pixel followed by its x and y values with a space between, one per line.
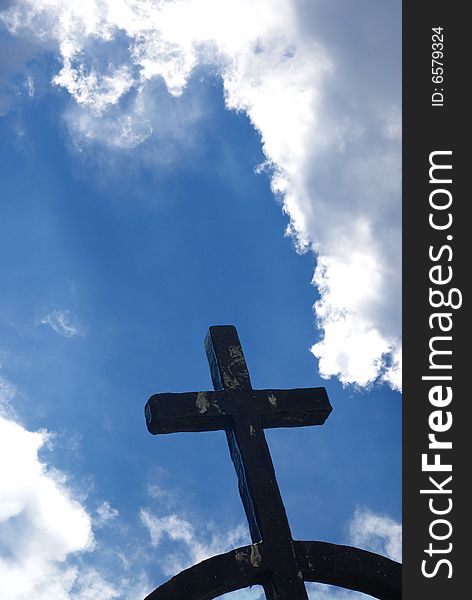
pixel 242 412
pixel 257 482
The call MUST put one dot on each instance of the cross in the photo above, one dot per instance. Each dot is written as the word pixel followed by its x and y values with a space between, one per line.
pixel 243 413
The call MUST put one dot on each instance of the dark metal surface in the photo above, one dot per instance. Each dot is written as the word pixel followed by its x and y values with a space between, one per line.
pixel 320 562
pixel 274 560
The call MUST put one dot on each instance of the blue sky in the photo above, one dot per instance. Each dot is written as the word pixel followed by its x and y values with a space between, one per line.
pixel 158 179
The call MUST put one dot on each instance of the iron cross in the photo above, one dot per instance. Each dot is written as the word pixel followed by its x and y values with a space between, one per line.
pixel 273 560
pixel 244 413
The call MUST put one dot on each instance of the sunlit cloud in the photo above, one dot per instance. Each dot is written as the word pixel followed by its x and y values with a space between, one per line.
pixel 332 148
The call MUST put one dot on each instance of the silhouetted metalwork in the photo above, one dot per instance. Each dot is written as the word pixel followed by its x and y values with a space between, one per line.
pixel 273 560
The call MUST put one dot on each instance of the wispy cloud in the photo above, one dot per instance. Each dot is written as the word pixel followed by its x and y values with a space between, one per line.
pixel 105 513
pixel 191 544
pixel 7 394
pixel 377 533
pixel 332 145
pixel 63 323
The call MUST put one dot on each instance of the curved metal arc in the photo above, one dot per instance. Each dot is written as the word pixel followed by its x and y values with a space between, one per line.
pixel 320 562
pixel 351 568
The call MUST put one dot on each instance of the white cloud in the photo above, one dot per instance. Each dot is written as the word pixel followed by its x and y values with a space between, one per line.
pixel 326 112
pixel 377 533
pixel 63 323
pixel 45 534
pixel 40 523
pixel 105 513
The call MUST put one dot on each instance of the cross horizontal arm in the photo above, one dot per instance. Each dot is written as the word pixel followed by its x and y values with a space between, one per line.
pixel 292 408
pixel 190 411
pixel 211 411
